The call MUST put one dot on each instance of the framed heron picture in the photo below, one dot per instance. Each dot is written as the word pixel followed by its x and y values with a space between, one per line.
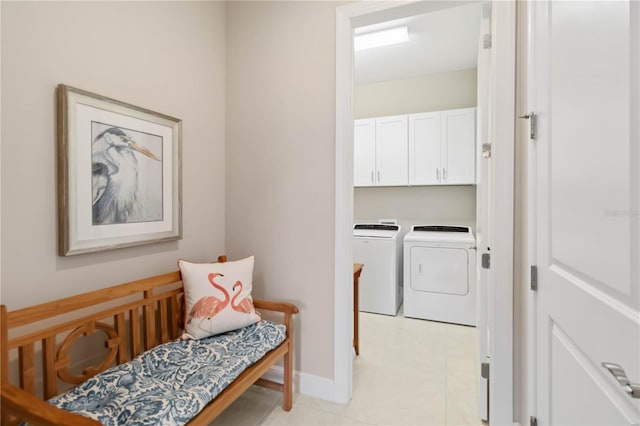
pixel 118 174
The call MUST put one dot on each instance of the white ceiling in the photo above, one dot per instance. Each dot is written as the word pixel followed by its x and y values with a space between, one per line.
pixel 439 41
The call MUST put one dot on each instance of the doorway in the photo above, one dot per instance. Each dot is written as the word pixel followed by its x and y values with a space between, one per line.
pixel 416 111
pixel 354 15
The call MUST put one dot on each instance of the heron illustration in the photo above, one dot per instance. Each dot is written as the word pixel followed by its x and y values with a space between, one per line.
pixel 115 178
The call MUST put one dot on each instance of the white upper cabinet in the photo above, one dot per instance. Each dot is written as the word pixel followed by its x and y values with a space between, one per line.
pixel 364 152
pixel 380 151
pixel 458 146
pixel 392 151
pixel 442 147
pixel 433 148
pixel 424 149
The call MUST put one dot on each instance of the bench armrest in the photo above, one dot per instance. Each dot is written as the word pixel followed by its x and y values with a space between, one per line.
pixel 287 308
pixel 30 408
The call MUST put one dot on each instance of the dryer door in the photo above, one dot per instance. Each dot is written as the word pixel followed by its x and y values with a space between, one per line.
pixel 440 270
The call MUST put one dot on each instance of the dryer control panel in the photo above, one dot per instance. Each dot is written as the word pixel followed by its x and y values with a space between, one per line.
pixel 440 228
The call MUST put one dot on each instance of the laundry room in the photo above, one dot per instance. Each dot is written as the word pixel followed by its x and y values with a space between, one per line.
pixel 415 210
pixel 408 98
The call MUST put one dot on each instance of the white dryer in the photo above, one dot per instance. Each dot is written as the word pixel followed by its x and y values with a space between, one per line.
pixel 439 274
pixel 379 248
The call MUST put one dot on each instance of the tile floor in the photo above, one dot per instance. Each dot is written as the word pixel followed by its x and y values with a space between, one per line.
pixel 409 372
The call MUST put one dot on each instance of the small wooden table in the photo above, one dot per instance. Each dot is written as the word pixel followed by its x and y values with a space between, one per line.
pixel 357 270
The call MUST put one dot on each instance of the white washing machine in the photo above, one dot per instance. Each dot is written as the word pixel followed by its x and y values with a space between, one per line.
pixel 379 248
pixel 439 274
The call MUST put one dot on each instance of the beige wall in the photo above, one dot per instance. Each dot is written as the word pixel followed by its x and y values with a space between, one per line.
pixel 274 181
pixel 420 204
pixel 281 160
pixel 166 56
pixel 433 92
pixel 423 204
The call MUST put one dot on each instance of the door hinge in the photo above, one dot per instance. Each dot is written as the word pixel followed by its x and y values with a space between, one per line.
pixel 533 421
pixel 534 278
pixel 484 370
pixel 486 41
pixel 486 260
pixel 486 150
pixel 533 129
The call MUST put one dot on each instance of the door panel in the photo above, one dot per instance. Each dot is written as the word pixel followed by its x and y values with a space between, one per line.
pixel 593 123
pixel 573 372
pixel 587 88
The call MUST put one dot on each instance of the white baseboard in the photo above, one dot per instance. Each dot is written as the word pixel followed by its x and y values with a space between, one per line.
pixel 304 383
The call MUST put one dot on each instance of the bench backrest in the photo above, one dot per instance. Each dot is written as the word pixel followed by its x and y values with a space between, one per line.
pixel 132 317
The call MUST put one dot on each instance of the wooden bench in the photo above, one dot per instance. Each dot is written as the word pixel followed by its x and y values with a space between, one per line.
pixel 134 317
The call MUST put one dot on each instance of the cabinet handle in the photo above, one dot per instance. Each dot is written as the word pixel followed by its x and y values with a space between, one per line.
pixel 437 174
pixel 378 176
pixel 372 177
pixel 444 174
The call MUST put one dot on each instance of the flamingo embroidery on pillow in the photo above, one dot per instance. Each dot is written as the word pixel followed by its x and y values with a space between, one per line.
pixel 209 306
pixel 246 304
pixel 217 297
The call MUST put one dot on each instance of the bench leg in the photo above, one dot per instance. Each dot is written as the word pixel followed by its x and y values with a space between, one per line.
pixel 288 380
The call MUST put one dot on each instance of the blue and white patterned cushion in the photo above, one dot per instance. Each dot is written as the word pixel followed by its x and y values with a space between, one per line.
pixel 171 383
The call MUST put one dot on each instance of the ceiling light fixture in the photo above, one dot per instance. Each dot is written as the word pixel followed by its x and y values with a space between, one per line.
pixel 380 38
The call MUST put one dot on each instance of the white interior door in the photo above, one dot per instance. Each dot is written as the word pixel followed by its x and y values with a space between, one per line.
pixel 483 216
pixel 587 94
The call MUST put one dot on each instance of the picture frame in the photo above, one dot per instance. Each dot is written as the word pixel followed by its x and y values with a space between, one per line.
pixel 119 174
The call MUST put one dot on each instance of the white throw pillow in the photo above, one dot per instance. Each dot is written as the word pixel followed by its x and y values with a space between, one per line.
pixel 217 297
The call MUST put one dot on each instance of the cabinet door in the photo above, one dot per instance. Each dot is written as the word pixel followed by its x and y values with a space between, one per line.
pixel 364 152
pixel 458 146
pixel 424 149
pixel 392 151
